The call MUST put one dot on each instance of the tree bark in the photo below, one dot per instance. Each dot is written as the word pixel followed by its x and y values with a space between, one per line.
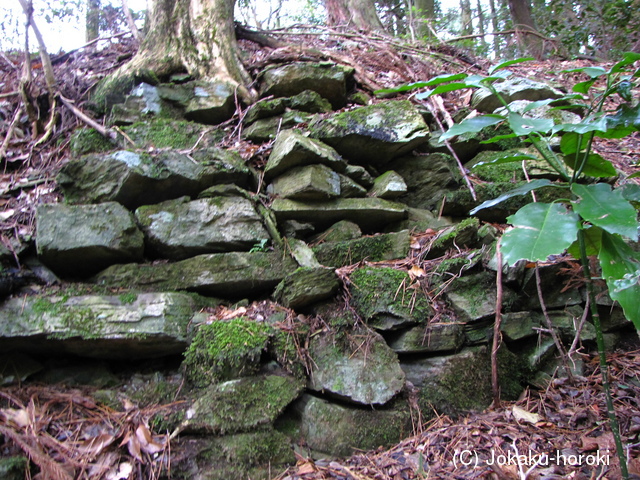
pixel 465 17
pixel 524 25
pixel 425 13
pixel 193 36
pixel 359 14
pixel 92 20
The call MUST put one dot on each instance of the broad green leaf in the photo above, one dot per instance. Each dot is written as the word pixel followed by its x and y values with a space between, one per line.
pixel 634 175
pixel 631 191
pixel 509 63
pixel 537 104
pixel 583 87
pixel 548 101
pixel 592 240
pixel 569 143
pixel 509 158
pixel 449 87
pixel 625 117
pixel 594 125
pixel 596 166
pixel 620 262
pixel 524 126
pixel 430 83
pixel 497 138
pixel 629 59
pixel 593 72
pixel 471 125
pixel 480 81
pixel 624 90
pixel 539 230
pixel 606 208
pixel 521 190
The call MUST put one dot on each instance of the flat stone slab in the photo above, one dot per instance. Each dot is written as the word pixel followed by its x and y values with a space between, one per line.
pixel 376 248
pixel 306 286
pixel 373 134
pixel 80 240
pixel 369 376
pixel 311 182
pixel 128 326
pixel 178 229
pixel 371 214
pixel 134 179
pixel 233 274
pixel 438 337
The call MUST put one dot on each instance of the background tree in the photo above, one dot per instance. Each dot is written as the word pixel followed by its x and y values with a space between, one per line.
pixel 527 34
pixel 359 14
pixel 92 29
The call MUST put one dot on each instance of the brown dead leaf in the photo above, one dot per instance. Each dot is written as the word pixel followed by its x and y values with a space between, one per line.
pixel 520 414
pixel 601 443
pixel 147 443
pixel 15 417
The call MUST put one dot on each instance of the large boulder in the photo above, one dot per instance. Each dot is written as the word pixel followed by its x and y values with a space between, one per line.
pixel 373 134
pixel 233 274
pixel 79 240
pixel 357 367
pixel 512 89
pixel 134 179
pixel 177 229
pixel 125 326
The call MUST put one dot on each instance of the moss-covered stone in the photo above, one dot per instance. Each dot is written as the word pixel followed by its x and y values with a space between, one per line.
pixel 13 468
pixel 88 140
pixel 387 246
pixel 224 350
pixel 167 133
pixel 384 297
pixel 461 235
pixel 306 286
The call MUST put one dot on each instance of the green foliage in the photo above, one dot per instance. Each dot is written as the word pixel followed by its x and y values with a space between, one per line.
pixel 602 216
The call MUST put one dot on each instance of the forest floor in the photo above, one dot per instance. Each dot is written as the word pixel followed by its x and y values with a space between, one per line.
pixel 563 428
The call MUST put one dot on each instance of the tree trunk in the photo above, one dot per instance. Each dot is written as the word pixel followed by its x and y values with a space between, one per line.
pixel 496 28
pixel 194 36
pixel 359 14
pixel 92 20
pixel 425 13
pixel 524 24
pixel 481 29
pixel 465 17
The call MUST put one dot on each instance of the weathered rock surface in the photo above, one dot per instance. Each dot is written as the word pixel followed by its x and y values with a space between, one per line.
pixel 473 297
pixel 128 326
pixel 376 248
pixel 362 370
pixel 306 286
pixel 388 185
pixel 327 79
pixel 385 299
pixel 210 102
pixel 369 213
pixel 79 240
pixel 232 274
pixel 311 182
pixel 373 134
pixel 337 430
pixel 437 337
pixel 178 229
pixel 241 405
pixel 293 149
pixel 512 89
pixel 135 179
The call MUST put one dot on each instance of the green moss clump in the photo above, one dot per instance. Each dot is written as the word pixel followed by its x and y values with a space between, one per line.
pixel 225 350
pixel 165 133
pixel 386 291
pixel 88 140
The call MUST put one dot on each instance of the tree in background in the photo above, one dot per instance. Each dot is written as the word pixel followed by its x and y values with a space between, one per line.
pixel 92 21
pixel 359 14
pixel 529 38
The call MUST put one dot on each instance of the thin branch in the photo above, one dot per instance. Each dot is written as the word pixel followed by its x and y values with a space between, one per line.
pixel 503 32
pixel 86 119
pixel 497 336
pixel 10 130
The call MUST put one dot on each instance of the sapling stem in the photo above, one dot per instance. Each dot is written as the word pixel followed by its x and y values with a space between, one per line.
pixel 602 355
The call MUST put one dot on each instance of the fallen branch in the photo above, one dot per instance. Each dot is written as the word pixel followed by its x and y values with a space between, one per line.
pixel 105 132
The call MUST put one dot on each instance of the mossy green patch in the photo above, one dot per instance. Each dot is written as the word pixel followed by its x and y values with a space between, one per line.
pixel 168 133
pixel 224 350
pixel 88 140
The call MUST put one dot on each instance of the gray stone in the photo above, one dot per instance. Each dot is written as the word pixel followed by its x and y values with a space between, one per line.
pixel 350 189
pixel 241 405
pixel 360 175
pixel 306 286
pixel 311 182
pixel 460 235
pixel 295 229
pixel 210 102
pixel 555 296
pixel 327 79
pixel 302 254
pixel 309 101
pixel 512 89
pixel 79 240
pixel 341 431
pixel 519 325
pixel 265 129
pixel 386 246
pixel 177 229
pixel 306 101
pixel 420 220
pixel 339 232
pixel 363 370
pixel 388 185
pixel 293 149
pixel 386 299
pixel 135 179
pixel 428 179
pixel 232 274
pixel 128 326
pixel 143 101
pixel 373 134
pixel 264 109
pixel 370 214
pixel 433 337
pixel 473 297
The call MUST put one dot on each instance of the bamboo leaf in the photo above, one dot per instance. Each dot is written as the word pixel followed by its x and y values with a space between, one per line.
pixel 521 190
pixel 509 63
pixel 539 230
